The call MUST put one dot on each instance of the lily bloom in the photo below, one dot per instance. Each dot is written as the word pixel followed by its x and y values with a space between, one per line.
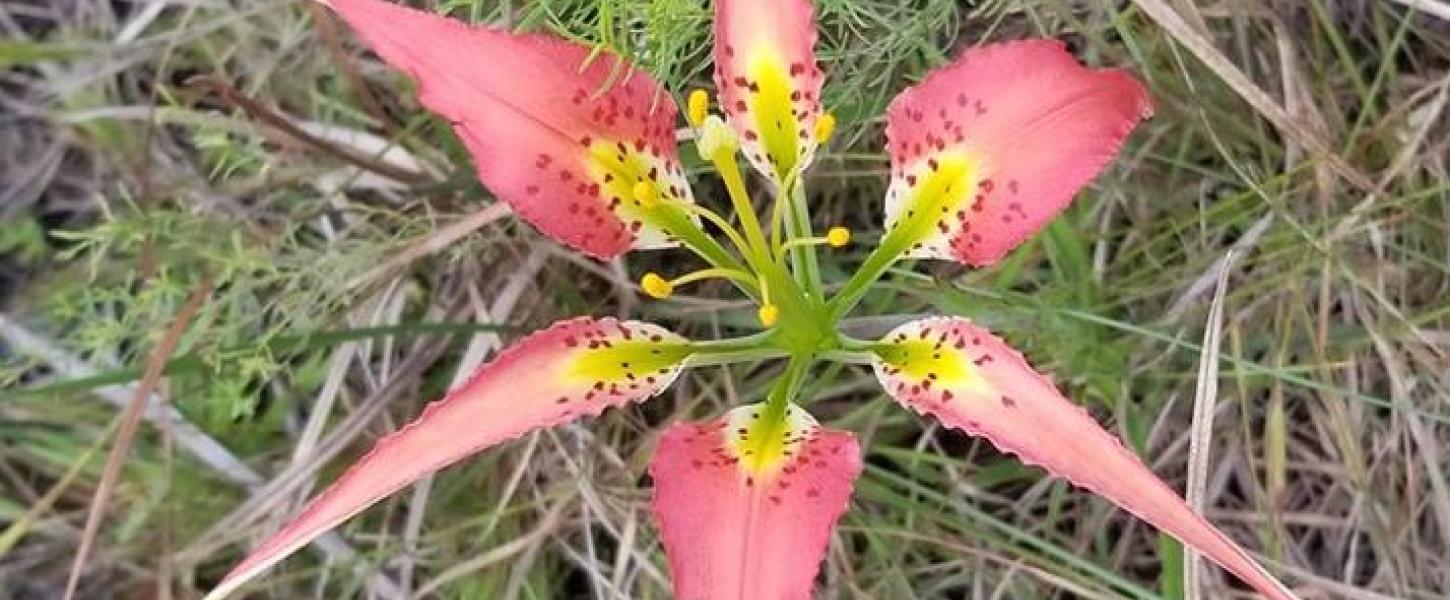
pixel 984 151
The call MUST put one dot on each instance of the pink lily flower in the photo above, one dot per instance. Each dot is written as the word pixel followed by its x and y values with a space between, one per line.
pixel 984 151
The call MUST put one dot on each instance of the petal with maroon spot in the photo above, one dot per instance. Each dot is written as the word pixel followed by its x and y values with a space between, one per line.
pixel 574 368
pixel 971 380
pixel 746 510
pixel 561 133
pixel 769 84
pixel 986 150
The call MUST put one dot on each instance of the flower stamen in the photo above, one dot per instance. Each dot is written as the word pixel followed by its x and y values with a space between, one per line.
pixel 836 237
pixel 825 127
pixel 768 313
pixel 659 288
pixel 698 107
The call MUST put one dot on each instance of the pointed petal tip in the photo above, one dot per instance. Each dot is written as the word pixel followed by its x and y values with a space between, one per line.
pixel 971 380
pixel 572 369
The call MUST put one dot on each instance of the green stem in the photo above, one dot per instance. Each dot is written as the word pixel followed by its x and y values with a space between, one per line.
pixel 740 277
pixel 673 220
pixel 880 259
pixel 798 221
pixel 748 348
pixel 745 211
pixel 753 341
pixel 721 224
pixel 853 357
pixel 707 359
pixel 780 395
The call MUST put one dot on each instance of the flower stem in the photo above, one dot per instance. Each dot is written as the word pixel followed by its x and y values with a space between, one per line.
pixel 772 419
pixel 739 276
pixel 729 170
pixel 723 225
pixel 706 247
pixel 880 259
pixel 798 221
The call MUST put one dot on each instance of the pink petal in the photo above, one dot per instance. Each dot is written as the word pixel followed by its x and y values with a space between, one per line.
pixel 561 137
pixel 769 84
pixel 574 368
pixel 738 523
pixel 973 381
pixel 989 148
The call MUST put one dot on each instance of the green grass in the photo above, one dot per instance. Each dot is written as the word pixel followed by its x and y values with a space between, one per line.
pixel 127 184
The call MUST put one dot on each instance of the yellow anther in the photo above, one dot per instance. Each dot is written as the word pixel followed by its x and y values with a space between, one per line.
pixel 657 287
pixel 646 194
pixel 835 237
pixel 768 314
pixel 698 106
pixel 825 126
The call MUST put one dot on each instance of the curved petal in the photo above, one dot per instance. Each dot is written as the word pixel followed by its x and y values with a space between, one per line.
pixel 574 368
pixel 973 381
pixel 560 133
pixel 746 512
pixel 987 149
pixel 769 84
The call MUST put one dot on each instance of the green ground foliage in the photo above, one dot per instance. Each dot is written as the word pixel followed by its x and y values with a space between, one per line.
pixel 131 175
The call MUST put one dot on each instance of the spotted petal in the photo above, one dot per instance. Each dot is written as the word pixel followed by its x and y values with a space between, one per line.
pixel 561 134
pixel 747 512
pixel 973 381
pixel 769 84
pixel 573 368
pixel 986 150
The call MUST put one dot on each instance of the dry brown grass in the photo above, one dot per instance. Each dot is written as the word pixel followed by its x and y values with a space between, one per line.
pixel 1310 137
